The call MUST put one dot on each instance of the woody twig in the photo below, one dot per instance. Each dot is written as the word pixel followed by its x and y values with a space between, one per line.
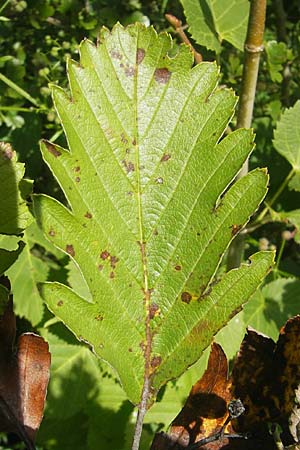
pixel 177 25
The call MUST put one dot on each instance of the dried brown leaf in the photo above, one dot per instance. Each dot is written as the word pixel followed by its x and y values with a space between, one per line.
pixel 24 376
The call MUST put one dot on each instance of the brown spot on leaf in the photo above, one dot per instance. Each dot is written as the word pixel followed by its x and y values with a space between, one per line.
pixel 99 318
pixel 155 232
pixel 134 142
pixel 100 267
pixel 143 346
pixel 124 139
pixel 70 250
pixel 52 149
pixel 153 310
pixel 162 75
pixel 77 179
pixel 186 297
pixel 130 350
pixel 104 255
pixel 177 267
pixel 140 55
pixel 116 55
pixel 129 166
pixel 159 180
pixel 51 232
pixel 129 71
pixel 112 275
pixel 165 157
pixel 77 169
pixel 235 229
pixel 88 215
pixel 60 303
pixel 155 362
pixel 113 261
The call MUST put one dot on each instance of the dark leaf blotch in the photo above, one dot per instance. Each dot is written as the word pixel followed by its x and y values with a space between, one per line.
pixel 162 75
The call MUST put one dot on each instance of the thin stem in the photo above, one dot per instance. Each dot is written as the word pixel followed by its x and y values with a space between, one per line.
pixel 140 417
pixel 253 49
pixel 4 6
pixel 275 196
pixel 17 88
pixel 177 25
pixel 21 109
pixel 56 135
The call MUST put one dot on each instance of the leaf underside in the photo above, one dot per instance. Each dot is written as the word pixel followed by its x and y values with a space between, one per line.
pixel 146 222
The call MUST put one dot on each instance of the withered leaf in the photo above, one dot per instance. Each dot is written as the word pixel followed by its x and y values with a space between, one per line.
pixel 266 377
pixel 205 410
pixel 24 376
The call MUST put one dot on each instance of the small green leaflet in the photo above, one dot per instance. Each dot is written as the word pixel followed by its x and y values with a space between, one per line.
pixel 150 214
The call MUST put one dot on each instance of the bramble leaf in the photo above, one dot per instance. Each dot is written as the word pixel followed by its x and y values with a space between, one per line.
pixel 150 212
pixel 211 22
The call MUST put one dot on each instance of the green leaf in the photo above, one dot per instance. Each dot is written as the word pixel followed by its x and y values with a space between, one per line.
pixel 211 22
pixel 287 136
pixel 276 56
pixel 24 275
pixel 14 214
pixel 273 305
pixel 150 212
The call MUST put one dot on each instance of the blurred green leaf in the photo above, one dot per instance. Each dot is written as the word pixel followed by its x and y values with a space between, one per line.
pixel 211 22
pixel 287 141
pixel 271 306
pixel 276 56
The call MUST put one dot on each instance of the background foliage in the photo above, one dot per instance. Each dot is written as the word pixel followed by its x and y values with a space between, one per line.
pixel 35 40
